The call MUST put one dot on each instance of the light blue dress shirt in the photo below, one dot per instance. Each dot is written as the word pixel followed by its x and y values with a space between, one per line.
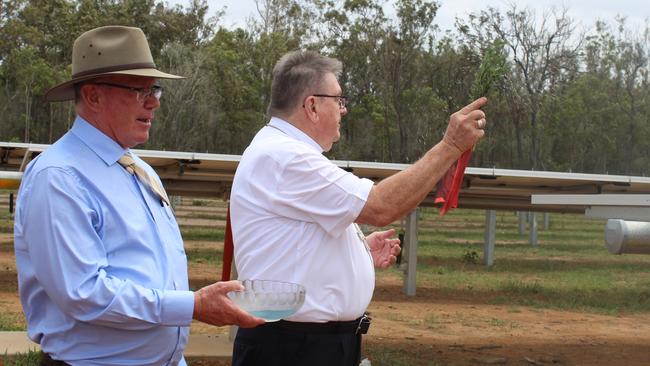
pixel 102 272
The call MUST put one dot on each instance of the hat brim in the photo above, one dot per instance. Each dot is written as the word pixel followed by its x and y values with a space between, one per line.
pixel 65 90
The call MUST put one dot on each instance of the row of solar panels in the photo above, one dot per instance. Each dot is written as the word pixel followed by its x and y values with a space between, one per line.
pixel 211 175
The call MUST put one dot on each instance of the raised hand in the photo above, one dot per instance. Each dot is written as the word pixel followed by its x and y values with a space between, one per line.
pixel 383 249
pixel 465 127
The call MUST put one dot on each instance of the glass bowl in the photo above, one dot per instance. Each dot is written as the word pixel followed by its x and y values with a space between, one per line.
pixel 269 300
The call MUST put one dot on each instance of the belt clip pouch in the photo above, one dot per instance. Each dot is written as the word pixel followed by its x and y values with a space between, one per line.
pixel 364 325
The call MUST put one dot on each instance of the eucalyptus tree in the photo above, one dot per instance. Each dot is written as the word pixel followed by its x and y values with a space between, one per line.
pixel 236 93
pixel 627 55
pixel 356 31
pixel 411 103
pixel 238 68
pixel 602 117
pixel 31 59
pixel 582 127
pixel 36 46
pixel 450 72
pixel 544 55
pixel 390 111
pixel 280 26
pixel 183 120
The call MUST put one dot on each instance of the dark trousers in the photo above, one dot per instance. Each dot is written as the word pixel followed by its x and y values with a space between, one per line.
pixel 46 360
pixel 270 345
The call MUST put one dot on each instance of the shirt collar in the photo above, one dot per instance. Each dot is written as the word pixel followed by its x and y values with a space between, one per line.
pixel 105 147
pixel 294 132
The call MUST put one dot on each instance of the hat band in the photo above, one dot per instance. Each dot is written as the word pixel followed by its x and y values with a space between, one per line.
pixel 103 70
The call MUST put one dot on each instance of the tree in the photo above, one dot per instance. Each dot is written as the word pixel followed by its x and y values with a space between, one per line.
pixel 607 106
pixel 37 43
pixel 543 56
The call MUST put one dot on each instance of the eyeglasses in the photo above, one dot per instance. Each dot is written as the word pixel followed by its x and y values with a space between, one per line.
pixel 342 100
pixel 143 93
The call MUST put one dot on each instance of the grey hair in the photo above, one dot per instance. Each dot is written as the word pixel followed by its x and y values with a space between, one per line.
pixel 296 75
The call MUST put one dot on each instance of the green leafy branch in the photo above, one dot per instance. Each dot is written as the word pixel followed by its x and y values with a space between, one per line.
pixel 491 70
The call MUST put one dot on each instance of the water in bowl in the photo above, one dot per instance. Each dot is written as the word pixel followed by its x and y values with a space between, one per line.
pixel 272 315
pixel 270 300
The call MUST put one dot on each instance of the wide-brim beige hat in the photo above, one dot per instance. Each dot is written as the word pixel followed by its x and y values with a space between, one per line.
pixel 105 51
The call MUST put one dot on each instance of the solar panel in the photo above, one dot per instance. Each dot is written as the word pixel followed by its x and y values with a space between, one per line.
pixel 211 175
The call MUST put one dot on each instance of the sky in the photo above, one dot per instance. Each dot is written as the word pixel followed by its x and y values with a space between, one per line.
pixel 585 12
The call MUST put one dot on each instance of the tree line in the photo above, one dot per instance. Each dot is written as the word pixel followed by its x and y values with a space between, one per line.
pixel 574 98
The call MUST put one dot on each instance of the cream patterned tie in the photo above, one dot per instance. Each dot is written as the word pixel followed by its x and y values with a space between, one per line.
pixel 129 164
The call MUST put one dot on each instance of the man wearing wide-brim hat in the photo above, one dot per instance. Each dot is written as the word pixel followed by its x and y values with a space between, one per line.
pixel 102 272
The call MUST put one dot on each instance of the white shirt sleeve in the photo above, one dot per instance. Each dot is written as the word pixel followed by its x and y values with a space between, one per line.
pixel 316 190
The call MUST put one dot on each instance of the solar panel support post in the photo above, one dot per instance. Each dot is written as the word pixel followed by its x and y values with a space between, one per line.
pixel 547 220
pixel 522 222
pixel 532 234
pixel 490 236
pixel 411 246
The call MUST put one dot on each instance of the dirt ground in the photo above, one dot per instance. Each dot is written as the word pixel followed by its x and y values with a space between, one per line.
pixel 438 328
pixel 447 329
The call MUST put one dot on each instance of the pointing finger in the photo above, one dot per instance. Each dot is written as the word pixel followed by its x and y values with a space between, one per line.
pixel 474 105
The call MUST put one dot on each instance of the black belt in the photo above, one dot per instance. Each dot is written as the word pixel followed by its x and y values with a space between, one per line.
pixel 46 360
pixel 357 326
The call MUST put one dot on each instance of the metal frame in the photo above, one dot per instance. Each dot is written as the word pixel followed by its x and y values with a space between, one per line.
pixel 410 252
pixel 490 237
pixel 211 175
pixel 605 206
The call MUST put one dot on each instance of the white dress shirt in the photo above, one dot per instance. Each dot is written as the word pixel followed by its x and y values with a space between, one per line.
pixel 292 214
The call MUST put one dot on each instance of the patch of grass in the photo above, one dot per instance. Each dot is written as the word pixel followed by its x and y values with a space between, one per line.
pixel 204 255
pixel 470 257
pixel 521 287
pixel 6 225
pixel 464 319
pixel 403 319
pixel 433 321
pixel 5 214
pixel 500 323
pixel 204 215
pixel 31 358
pixel 202 233
pixel 569 268
pixel 495 322
pixel 200 203
pixel 11 322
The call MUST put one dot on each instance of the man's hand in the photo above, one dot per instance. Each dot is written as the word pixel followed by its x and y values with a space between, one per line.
pixel 465 127
pixel 383 249
pixel 212 306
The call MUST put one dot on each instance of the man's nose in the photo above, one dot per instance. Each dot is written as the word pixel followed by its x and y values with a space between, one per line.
pixel 152 102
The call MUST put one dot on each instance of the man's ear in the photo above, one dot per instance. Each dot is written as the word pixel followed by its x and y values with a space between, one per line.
pixel 310 109
pixel 90 96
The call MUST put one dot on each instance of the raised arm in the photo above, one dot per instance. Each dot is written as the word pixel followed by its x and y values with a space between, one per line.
pixel 398 194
